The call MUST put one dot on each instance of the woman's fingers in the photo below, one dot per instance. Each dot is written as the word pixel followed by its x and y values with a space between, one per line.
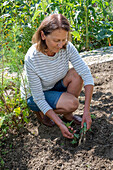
pixel 73 131
pixel 65 131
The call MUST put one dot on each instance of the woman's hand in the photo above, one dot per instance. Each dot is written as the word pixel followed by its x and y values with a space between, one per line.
pixel 65 131
pixel 86 118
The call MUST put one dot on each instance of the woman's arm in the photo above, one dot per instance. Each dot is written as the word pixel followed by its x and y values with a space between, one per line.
pixel 83 70
pixel 65 132
pixel 38 95
pixel 36 86
pixel 86 115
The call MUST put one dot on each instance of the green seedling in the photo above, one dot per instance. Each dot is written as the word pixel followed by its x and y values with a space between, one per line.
pixel 62 144
pixel 83 133
pixel 76 136
pixel 1 162
pixel 111 134
pixel 82 136
pixel 68 124
pixel 110 116
pixel 93 116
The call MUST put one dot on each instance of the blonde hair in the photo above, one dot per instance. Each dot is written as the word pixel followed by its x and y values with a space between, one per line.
pixel 48 25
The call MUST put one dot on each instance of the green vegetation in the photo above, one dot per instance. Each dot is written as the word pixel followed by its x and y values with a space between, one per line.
pixel 78 137
pixel 92 25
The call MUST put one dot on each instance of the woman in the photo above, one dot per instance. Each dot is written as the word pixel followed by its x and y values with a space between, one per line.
pixel 52 87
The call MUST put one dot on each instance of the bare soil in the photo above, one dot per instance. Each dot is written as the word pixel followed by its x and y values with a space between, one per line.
pixel 37 147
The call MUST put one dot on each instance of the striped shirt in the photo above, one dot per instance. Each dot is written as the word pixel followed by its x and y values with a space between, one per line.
pixel 42 72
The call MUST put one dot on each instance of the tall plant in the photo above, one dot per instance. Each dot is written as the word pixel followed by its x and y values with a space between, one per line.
pixel 13 110
pixel 86 23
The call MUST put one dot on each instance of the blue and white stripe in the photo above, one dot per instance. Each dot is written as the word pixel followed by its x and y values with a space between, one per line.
pixel 42 72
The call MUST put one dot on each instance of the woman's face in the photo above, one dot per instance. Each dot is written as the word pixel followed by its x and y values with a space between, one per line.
pixel 56 40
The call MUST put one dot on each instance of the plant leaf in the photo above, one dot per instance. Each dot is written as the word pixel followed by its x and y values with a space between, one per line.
pixel 76 34
pixel 76 135
pixel 73 141
pixel 17 111
pixel 2 120
pixel 37 12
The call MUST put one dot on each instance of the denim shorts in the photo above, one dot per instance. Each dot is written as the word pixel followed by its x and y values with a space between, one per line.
pixel 51 96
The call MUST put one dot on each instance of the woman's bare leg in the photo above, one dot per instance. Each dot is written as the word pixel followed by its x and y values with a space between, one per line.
pixel 73 82
pixel 68 102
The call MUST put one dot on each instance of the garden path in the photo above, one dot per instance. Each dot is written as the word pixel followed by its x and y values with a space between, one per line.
pixel 100 55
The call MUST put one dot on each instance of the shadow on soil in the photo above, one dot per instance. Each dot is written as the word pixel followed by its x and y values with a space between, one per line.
pixel 35 143
pixel 101 139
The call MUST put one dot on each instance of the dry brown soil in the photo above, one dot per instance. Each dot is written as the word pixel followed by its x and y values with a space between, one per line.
pixel 37 147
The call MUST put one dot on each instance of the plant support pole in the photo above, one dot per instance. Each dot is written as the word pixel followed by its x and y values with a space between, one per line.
pixel 86 23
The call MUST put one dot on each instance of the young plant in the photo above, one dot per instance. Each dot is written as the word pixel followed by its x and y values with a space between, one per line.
pixel 1 163
pixel 13 110
pixel 110 116
pixel 83 133
pixel 75 139
pixel 76 136
pixel 93 116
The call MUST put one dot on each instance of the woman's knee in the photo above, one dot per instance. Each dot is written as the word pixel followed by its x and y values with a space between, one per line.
pixel 72 104
pixel 67 102
pixel 72 76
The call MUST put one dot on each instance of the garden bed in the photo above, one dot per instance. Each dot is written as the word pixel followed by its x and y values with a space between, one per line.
pixel 39 147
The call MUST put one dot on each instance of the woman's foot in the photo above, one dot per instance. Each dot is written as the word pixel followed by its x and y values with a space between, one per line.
pixel 44 119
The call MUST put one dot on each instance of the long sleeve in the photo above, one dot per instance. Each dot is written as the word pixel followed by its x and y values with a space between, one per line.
pixel 36 87
pixel 43 72
pixel 79 65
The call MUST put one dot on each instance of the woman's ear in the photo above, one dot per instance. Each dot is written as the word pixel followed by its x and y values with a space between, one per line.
pixel 43 35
